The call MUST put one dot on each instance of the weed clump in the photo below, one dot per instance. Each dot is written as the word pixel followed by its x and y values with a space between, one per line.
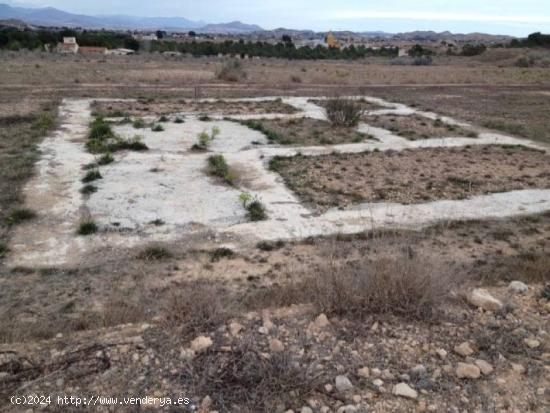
pixel 256 209
pixel 259 127
pixel 270 246
pixel 115 144
pixel 134 144
pixel 88 189
pixel 92 175
pixel 179 120
pixel 231 71
pixel 245 377
pixel 343 112
pixel 3 250
pixel 19 215
pixel 105 159
pixel 204 139
pixel 138 123
pixel 217 166
pixel 157 128
pixel 405 287
pixel 43 124
pixel 154 253
pixel 100 130
pixel 221 253
pixel 87 228
pixel 199 309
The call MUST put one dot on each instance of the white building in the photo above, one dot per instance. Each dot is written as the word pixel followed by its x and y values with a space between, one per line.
pixel 69 46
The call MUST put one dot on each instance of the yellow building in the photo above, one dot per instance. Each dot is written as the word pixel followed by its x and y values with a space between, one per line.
pixel 332 41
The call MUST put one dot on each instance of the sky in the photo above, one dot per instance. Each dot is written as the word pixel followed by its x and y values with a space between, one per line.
pixel 513 17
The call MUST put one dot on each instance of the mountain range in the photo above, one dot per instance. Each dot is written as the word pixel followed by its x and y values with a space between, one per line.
pixel 50 16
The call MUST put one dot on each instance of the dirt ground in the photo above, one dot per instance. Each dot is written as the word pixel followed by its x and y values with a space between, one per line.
pixel 517 111
pixel 416 127
pixel 306 132
pixel 412 176
pixel 145 107
pixel 65 330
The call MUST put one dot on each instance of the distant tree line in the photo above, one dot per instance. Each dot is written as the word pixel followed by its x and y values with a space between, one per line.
pixel 16 39
pixel 533 40
pixel 285 49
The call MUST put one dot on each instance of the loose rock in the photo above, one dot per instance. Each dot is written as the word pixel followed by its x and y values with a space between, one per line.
pixel 404 390
pixel 276 346
pixel 201 343
pixel 483 299
pixel 468 371
pixel 518 287
pixel 343 384
pixel 485 367
pixel 464 349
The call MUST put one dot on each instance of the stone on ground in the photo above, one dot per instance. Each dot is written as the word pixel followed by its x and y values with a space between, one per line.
pixel 404 390
pixel 483 299
pixel 468 371
pixel 343 384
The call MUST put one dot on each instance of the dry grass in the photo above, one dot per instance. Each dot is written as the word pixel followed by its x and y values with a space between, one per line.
pixel 520 111
pixel 417 127
pixel 406 287
pixel 19 135
pixel 412 176
pixel 231 71
pixel 531 268
pixel 244 377
pixel 343 112
pixel 305 131
pixel 403 285
pixel 19 69
pixel 198 308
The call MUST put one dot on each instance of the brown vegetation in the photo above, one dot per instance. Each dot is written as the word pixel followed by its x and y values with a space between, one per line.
pixel 413 176
pixel 417 127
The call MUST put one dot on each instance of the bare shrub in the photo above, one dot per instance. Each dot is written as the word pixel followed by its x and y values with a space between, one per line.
pixel 343 112
pixel 231 71
pixel 244 377
pixel 154 252
pixel 403 285
pixel 199 308
pixel 407 287
pixel 412 61
pixel 532 268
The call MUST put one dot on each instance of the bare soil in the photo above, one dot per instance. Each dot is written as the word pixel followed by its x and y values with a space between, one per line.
pixel 517 111
pixel 416 127
pixel 306 131
pixel 413 176
pixel 145 107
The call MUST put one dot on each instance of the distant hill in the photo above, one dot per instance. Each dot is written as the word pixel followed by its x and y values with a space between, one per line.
pixel 229 28
pixel 50 16
pixel 437 37
pixel 18 24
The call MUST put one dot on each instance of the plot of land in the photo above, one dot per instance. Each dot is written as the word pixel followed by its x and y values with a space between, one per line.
pixel 413 176
pixel 305 132
pixel 159 178
pixel 416 127
pixel 160 107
